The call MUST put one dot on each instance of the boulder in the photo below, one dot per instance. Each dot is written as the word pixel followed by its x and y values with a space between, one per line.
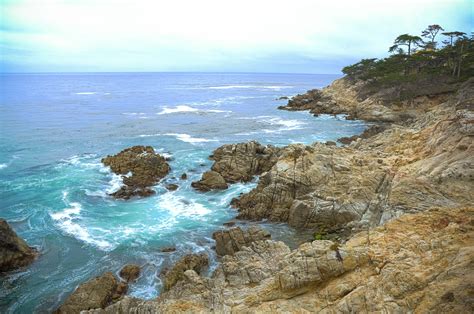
pixel 211 180
pixel 184 176
pixel 232 240
pixel 194 262
pixel 140 168
pixel 94 294
pixel 14 251
pixel 130 272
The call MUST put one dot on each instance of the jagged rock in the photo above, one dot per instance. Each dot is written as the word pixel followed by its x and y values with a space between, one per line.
pixel 304 101
pixel 130 272
pixel 237 163
pixel 395 170
pixel 211 180
pixel 232 240
pixel 369 132
pixel 140 168
pixel 241 162
pixel 94 294
pixel 194 262
pixel 14 251
pixel 420 262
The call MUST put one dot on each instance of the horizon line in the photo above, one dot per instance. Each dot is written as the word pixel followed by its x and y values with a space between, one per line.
pixel 154 72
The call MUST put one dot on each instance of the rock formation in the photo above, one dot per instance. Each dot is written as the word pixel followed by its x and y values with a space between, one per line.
pixel 94 294
pixel 229 241
pixel 130 272
pixel 14 251
pixel 140 168
pixel 211 180
pixel 405 168
pixel 195 262
pixel 237 163
pixel 416 263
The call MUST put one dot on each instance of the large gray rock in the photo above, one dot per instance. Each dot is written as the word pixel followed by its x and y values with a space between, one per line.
pixel 14 251
pixel 232 240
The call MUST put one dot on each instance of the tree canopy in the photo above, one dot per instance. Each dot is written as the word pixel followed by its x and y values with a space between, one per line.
pixel 414 58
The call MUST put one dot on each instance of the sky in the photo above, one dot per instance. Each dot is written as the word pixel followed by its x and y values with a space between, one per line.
pixel 293 36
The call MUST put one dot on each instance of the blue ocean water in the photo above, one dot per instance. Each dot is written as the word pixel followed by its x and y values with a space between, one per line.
pixel 55 128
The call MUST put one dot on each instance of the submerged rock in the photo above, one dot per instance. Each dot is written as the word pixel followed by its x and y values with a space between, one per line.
pixel 14 251
pixel 172 187
pixel 211 180
pixel 140 168
pixel 232 240
pixel 168 249
pixel 195 262
pixel 96 293
pixel 130 272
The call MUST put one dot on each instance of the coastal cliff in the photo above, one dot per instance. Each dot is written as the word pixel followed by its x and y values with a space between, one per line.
pixel 392 212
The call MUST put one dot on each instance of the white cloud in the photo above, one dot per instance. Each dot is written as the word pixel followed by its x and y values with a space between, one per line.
pixel 178 34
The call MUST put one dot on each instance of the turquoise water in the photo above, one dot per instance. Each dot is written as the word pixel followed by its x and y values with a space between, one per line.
pixel 54 129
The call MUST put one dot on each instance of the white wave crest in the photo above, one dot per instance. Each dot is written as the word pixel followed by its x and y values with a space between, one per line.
pixel 189 139
pixel 179 207
pixel 3 166
pixel 188 109
pixel 67 219
pixel 86 93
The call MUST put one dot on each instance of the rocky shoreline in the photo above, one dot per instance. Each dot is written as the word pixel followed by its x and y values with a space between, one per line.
pixel 391 211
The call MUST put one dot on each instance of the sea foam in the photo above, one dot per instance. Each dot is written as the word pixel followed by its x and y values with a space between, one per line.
pixel 189 139
pixel 67 219
pixel 188 109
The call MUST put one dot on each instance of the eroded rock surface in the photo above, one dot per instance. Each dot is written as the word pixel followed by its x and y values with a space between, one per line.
pixel 14 251
pixel 94 294
pixel 195 262
pixel 229 241
pixel 417 263
pixel 140 168
pixel 403 169
pixel 237 163
pixel 211 180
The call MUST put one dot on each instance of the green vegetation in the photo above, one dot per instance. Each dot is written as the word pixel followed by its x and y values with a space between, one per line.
pixel 416 58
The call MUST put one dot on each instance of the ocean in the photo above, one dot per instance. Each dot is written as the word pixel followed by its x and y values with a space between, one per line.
pixel 55 128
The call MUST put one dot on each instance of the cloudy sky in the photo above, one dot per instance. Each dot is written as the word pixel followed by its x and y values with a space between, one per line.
pixel 293 36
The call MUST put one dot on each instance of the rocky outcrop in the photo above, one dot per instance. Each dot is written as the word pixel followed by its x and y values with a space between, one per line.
pixel 94 294
pixel 14 251
pixel 417 263
pixel 211 180
pixel 404 168
pixel 195 262
pixel 232 240
pixel 140 168
pixel 237 163
pixel 130 272
pixel 369 132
